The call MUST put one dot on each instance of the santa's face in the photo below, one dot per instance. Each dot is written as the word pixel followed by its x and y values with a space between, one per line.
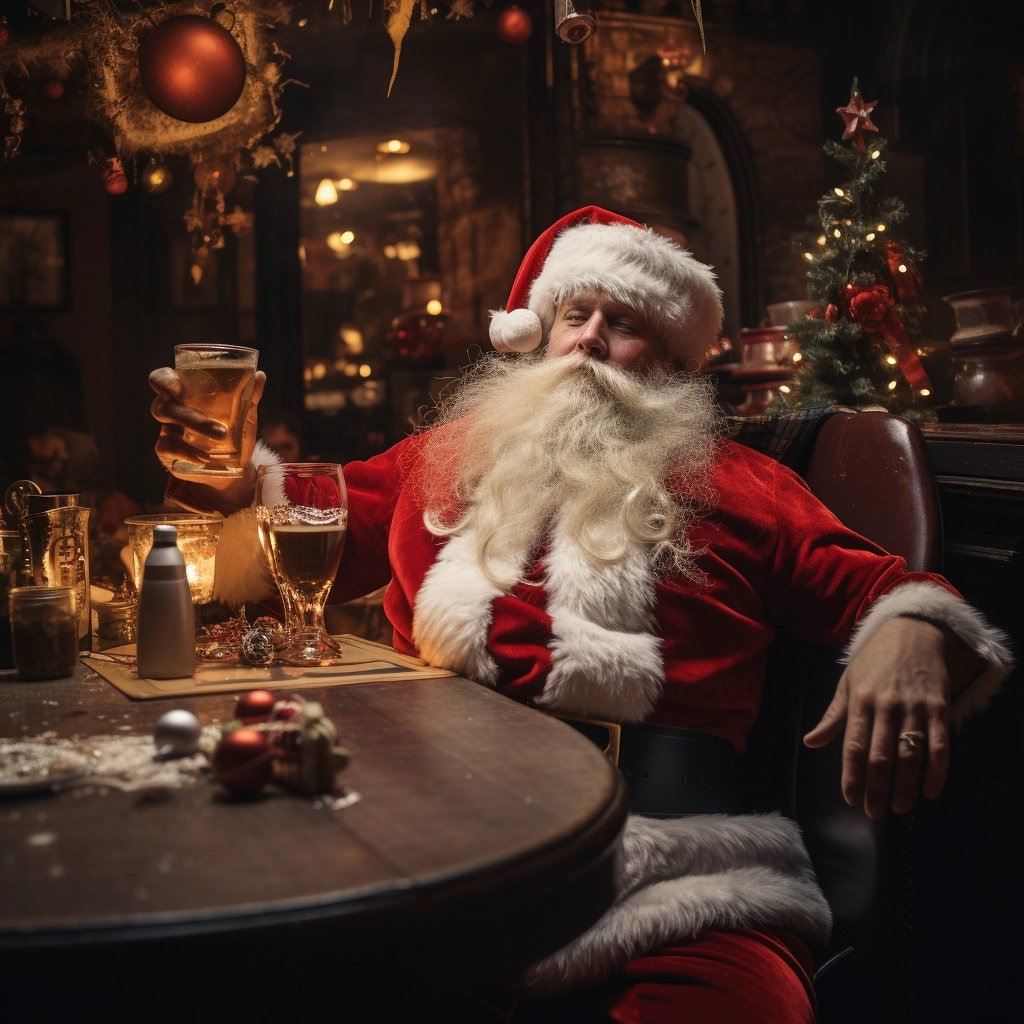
pixel 596 326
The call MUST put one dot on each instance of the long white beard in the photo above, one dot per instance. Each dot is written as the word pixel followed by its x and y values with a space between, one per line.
pixel 571 441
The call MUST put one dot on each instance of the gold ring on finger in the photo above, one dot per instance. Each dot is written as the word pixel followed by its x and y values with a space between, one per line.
pixel 912 738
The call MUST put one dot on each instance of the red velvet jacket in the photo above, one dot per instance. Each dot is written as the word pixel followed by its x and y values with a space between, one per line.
pixel 772 554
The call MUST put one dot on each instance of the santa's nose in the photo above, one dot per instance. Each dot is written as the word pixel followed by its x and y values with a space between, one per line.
pixel 591 341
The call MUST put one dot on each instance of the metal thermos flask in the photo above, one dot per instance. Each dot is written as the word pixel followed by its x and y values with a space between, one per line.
pixel 167 632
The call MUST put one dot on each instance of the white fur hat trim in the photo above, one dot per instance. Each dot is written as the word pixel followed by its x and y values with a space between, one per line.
pixel 515 330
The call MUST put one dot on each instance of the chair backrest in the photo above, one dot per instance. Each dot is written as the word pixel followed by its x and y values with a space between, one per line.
pixel 872 471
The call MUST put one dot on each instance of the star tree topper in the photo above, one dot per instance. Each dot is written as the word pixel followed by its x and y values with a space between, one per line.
pixel 857 117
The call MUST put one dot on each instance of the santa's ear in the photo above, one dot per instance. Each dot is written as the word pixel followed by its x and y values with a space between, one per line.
pixel 515 330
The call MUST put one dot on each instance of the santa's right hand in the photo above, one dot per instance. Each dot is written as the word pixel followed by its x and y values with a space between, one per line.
pixel 175 417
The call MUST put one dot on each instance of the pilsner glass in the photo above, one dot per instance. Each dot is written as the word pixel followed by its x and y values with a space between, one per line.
pixel 302 513
pixel 218 381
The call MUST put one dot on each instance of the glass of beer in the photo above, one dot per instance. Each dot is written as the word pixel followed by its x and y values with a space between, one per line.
pixel 302 514
pixel 218 381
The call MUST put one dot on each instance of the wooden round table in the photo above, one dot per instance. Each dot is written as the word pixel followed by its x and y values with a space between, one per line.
pixel 484 840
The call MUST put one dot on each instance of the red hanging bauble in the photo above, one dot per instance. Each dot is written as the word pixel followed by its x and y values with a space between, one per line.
pixel 514 25
pixel 54 88
pixel 242 761
pixel 192 68
pixel 114 180
pixel 255 706
pixel 214 175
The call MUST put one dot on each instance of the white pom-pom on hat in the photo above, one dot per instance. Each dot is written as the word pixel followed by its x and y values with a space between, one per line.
pixel 515 330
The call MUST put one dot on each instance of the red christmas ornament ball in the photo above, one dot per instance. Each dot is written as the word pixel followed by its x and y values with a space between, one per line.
pixel 242 761
pixel 114 180
pixel 192 68
pixel 514 25
pixel 255 706
pixel 54 89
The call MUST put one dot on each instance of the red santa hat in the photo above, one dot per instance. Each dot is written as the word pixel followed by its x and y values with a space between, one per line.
pixel 593 249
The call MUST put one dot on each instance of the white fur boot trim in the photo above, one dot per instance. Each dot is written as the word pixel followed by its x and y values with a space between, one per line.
pixel 452 616
pixel 686 876
pixel 241 572
pixel 929 601
pixel 605 661
pixel 515 330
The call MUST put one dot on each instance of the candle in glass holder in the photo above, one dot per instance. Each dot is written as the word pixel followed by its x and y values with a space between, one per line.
pixel 197 539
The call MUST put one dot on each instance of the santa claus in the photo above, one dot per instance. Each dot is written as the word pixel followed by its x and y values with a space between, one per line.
pixel 573 531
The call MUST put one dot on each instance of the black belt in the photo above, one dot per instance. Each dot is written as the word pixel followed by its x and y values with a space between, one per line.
pixel 670 772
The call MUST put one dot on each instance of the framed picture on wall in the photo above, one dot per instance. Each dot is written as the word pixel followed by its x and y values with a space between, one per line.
pixel 34 261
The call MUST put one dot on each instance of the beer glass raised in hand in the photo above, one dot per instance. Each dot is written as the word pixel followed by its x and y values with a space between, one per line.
pixel 302 513
pixel 218 381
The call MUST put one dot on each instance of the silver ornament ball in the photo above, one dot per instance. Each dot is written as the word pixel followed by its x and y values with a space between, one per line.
pixel 176 734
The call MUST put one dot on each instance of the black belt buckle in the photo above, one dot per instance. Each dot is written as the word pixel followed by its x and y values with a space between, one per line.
pixel 606 735
pixel 672 772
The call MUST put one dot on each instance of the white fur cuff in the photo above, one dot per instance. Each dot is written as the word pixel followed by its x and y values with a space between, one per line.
pixel 242 573
pixel 930 601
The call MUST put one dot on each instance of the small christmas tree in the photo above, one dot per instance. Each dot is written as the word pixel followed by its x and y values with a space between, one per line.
pixel 855 350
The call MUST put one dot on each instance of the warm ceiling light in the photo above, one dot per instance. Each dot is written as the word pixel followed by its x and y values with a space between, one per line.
pixel 351 370
pixel 839 192
pixel 892 385
pixel 390 251
pixel 336 241
pixel 364 370
pixel 393 146
pixel 326 193
pixel 319 371
pixel 348 185
pixel 434 307
pixel 348 237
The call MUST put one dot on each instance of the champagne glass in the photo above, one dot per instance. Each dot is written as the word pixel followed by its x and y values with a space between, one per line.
pixel 302 514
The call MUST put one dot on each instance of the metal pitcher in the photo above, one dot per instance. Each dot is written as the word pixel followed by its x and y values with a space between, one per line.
pixel 54 533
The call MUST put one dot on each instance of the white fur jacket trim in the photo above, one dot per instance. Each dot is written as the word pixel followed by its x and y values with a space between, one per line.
pixel 241 572
pixel 684 876
pixel 605 661
pixel 930 601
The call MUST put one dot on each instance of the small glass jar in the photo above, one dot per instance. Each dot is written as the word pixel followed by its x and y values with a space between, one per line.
pixel 115 623
pixel 44 632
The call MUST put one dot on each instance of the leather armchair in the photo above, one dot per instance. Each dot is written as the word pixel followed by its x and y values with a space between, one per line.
pixel 872 471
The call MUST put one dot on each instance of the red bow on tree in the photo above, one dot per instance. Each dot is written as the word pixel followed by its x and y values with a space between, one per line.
pixel 857 117
pixel 872 308
pixel 907 279
pixel 313 492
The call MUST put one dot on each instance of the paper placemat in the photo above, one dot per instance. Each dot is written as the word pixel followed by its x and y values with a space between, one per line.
pixel 363 661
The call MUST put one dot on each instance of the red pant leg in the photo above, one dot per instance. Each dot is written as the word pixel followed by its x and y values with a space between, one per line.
pixel 740 977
